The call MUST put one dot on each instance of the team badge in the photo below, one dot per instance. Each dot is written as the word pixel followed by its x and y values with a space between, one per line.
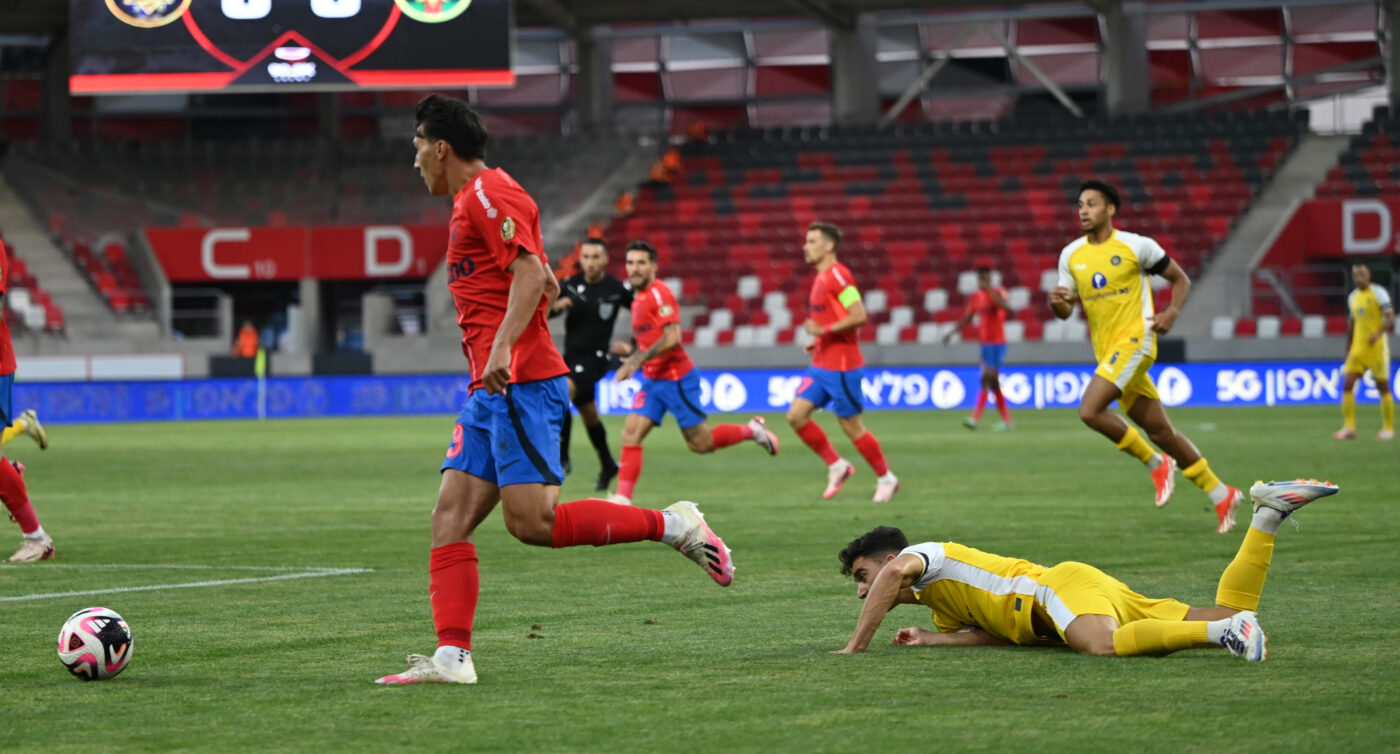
pixel 666 310
pixel 432 11
pixel 507 230
pixel 605 310
pixel 1116 260
pixel 148 14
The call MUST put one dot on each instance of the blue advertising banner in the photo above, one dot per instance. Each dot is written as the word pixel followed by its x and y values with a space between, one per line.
pixel 1281 383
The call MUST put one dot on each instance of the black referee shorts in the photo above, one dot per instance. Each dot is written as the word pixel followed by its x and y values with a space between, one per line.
pixel 585 374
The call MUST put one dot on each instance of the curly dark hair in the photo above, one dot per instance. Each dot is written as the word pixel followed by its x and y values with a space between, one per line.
pixel 882 540
pixel 643 246
pixel 455 122
pixel 1109 191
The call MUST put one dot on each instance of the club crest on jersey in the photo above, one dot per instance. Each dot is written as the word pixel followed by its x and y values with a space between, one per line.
pixel 432 11
pixel 1116 260
pixel 1099 281
pixel 666 310
pixel 507 229
pixel 605 310
pixel 148 14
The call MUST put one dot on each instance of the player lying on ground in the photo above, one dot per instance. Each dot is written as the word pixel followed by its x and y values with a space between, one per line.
pixel 980 599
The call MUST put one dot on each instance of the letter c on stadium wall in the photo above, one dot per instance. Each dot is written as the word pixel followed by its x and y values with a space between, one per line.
pixel 223 271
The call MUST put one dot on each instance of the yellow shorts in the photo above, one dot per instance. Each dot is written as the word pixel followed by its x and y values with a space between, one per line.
pixel 1072 589
pixel 1125 365
pixel 1373 360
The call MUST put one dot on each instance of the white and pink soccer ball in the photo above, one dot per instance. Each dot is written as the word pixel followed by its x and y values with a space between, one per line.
pixel 95 644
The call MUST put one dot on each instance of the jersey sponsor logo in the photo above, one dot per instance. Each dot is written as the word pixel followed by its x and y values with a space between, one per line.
pixel 148 14
pixel 432 11
pixel 1099 281
pixel 460 269
pixel 507 230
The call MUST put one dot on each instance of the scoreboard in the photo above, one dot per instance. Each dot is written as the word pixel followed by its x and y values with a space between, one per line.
pixel 135 46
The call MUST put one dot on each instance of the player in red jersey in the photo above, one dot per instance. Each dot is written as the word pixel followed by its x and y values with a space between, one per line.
pixel 989 305
pixel 37 544
pixel 837 367
pixel 669 381
pixel 505 444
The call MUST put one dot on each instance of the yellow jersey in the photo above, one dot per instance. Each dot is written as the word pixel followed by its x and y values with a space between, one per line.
pixel 967 588
pixel 1111 282
pixel 1366 309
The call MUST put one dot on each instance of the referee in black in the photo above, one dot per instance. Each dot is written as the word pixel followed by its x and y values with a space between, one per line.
pixel 591 301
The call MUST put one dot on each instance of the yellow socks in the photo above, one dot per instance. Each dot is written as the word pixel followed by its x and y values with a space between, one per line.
pixel 1200 475
pixel 1243 580
pixel 1387 413
pixel 1133 444
pixel 1156 637
pixel 12 431
pixel 1349 411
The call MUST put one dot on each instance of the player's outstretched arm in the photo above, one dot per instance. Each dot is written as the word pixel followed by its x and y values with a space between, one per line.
pixel 1181 288
pixel 922 637
pixel 883 595
pixel 527 285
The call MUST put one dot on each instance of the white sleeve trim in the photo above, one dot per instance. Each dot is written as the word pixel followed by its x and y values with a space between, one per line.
pixel 1148 251
pixel 1065 278
pixel 933 557
pixel 1382 296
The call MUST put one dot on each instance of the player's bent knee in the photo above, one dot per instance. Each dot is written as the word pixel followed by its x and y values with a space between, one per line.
pixel 532 530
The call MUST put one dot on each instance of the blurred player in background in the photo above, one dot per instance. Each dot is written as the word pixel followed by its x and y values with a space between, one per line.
pixel 834 378
pixel 989 305
pixel 505 444
pixel 669 382
pixel 1370 318
pixel 591 301
pixel 981 599
pixel 1106 270
pixel 36 544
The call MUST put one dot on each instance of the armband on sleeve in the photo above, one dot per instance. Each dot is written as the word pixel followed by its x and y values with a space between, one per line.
pixel 848 296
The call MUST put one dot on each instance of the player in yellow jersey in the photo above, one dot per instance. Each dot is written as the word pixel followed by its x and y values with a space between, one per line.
pixel 1370 320
pixel 982 599
pixel 1107 271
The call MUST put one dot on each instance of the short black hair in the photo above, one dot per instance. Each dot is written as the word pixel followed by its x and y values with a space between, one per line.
pixel 455 122
pixel 882 540
pixel 1109 191
pixel 594 241
pixel 983 269
pixel 642 246
pixel 830 230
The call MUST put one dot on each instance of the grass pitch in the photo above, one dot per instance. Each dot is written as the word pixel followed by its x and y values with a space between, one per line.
pixel 632 648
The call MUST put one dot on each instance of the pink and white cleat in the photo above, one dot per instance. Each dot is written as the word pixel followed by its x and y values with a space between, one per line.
pixel 765 439
pixel 1164 479
pixel 447 665
pixel 1385 434
pixel 1225 511
pixel 1286 497
pixel 702 545
pixel 885 487
pixel 836 475
pixel 1345 433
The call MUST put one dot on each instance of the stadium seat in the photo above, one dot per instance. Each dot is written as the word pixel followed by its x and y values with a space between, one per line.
pixel 749 287
pixel 1018 298
pixel 1291 327
pixel 876 301
pixel 1314 326
pixel 1222 328
pixel 1268 326
pixel 935 300
pixel 1245 327
pixel 929 333
pixel 1015 331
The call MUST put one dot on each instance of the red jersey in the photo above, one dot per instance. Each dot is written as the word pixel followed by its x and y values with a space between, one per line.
pixel 493 222
pixel 832 292
pixel 989 316
pixel 7 350
pixel 652 310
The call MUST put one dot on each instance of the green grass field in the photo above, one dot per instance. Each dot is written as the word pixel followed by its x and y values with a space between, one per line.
pixel 632 648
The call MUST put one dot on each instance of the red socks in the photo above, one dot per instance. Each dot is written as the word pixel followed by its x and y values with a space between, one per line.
pixel 980 406
pixel 629 468
pixel 599 522
pixel 816 439
pixel 727 434
pixel 16 498
pixel 453 585
pixel 1001 406
pixel 869 447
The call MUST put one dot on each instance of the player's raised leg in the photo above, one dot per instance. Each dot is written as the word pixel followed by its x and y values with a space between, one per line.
pixel 27 424
pixel 1151 416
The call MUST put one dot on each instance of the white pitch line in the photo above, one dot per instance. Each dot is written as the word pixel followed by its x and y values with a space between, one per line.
pixel 302 574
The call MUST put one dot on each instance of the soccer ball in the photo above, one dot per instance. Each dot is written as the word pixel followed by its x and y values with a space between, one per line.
pixel 95 643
